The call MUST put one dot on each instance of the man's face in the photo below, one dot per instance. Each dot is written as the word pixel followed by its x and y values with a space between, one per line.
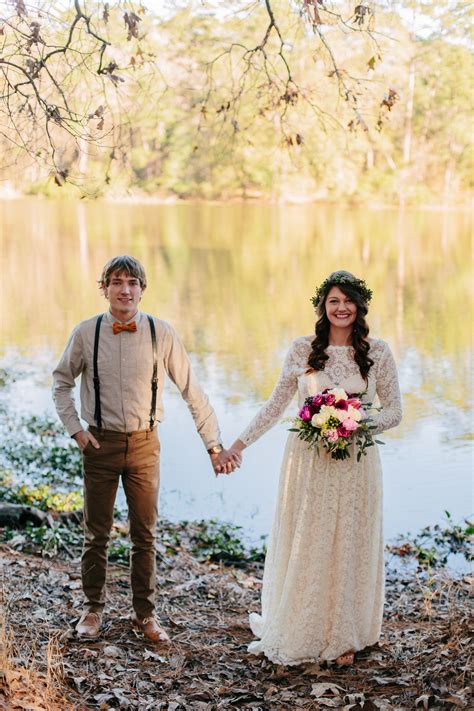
pixel 124 293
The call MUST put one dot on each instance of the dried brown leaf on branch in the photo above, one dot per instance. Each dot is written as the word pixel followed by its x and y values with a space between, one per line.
pixel 312 11
pixel 131 21
pixel 390 99
pixel 34 37
pixel 60 177
pixel 363 14
pixel 386 105
pixel 20 7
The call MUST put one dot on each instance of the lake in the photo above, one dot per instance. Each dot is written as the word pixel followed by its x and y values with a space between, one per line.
pixel 236 281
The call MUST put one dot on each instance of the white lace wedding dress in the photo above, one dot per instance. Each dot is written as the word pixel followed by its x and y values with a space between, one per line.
pixel 323 585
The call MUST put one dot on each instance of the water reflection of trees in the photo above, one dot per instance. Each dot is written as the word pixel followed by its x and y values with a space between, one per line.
pixel 236 280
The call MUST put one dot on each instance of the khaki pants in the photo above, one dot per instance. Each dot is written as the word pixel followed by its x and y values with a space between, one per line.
pixel 134 456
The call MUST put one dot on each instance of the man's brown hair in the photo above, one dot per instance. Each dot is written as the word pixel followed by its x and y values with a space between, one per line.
pixel 123 263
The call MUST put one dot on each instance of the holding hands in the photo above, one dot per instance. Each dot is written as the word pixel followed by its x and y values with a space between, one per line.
pixel 227 460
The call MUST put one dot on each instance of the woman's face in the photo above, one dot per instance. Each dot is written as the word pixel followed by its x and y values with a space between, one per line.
pixel 340 310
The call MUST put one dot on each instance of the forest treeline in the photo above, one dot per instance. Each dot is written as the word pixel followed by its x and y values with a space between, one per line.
pixel 207 100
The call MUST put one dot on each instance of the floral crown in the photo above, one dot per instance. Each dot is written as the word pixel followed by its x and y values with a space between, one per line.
pixel 357 284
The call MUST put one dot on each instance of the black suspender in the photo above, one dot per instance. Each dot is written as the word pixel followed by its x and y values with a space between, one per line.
pixel 97 411
pixel 154 379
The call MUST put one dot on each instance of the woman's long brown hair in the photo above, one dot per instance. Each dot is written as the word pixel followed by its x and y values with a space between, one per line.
pixel 360 331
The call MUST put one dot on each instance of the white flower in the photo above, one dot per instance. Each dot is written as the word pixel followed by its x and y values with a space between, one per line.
pixel 318 420
pixel 355 414
pixel 323 415
pixel 339 393
pixel 331 411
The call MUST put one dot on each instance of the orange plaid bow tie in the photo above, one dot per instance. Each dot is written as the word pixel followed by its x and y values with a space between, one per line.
pixel 118 327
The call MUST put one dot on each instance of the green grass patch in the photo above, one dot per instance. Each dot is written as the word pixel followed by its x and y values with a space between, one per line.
pixel 222 542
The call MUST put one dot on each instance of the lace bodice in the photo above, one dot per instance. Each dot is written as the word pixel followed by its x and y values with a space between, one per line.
pixel 341 370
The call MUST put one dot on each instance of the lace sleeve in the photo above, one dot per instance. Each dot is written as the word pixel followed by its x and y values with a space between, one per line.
pixel 388 392
pixel 282 394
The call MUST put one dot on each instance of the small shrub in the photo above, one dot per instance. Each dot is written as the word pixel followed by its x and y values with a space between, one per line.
pixel 42 496
pixel 47 540
pixel 433 545
pixel 222 542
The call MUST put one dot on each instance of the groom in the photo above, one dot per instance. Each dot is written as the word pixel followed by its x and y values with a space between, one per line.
pixel 122 357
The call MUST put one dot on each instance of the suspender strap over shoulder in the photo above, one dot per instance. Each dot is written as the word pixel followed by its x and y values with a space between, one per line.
pixel 154 380
pixel 97 411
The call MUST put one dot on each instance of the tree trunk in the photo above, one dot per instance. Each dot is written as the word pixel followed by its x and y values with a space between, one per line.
pixel 19 515
pixel 83 155
pixel 407 138
pixel 369 160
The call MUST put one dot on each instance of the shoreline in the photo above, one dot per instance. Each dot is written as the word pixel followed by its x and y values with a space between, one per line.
pixel 292 201
pixel 46 520
pixel 42 471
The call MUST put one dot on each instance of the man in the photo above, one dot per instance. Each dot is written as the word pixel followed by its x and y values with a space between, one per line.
pixel 122 357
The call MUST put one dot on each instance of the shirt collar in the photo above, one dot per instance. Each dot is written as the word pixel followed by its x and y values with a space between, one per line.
pixel 137 318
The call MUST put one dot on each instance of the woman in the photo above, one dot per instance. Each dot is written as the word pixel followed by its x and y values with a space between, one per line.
pixel 323 584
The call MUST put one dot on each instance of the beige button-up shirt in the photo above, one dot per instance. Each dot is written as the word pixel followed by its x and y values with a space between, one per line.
pixel 125 365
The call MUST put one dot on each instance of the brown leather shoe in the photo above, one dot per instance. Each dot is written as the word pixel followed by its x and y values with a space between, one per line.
pixel 89 625
pixel 151 629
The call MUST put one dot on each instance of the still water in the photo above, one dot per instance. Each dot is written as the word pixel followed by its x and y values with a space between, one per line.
pixel 236 282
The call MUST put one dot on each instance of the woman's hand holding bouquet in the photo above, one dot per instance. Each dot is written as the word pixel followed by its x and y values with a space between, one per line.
pixel 335 420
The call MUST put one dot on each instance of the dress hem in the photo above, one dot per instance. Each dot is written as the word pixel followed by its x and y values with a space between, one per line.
pixel 255 649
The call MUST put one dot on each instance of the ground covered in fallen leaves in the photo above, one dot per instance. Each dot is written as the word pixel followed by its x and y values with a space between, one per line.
pixel 422 660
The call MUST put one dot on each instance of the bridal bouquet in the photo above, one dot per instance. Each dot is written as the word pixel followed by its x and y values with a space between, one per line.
pixel 334 420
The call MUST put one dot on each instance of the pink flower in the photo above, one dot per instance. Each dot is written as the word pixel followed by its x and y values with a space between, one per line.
pixel 329 399
pixel 331 435
pixel 355 402
pixel 318 400
pixel 342 404
pixel 342 432
pixel 350 425
pixel 305 413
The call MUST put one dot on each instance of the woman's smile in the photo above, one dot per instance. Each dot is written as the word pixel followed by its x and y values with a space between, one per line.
pixel 340 310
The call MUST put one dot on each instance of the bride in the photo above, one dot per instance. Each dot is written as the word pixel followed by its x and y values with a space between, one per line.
pixel 323 584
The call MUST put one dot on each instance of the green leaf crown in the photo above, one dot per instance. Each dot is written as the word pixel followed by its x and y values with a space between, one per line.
pixel 358 284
